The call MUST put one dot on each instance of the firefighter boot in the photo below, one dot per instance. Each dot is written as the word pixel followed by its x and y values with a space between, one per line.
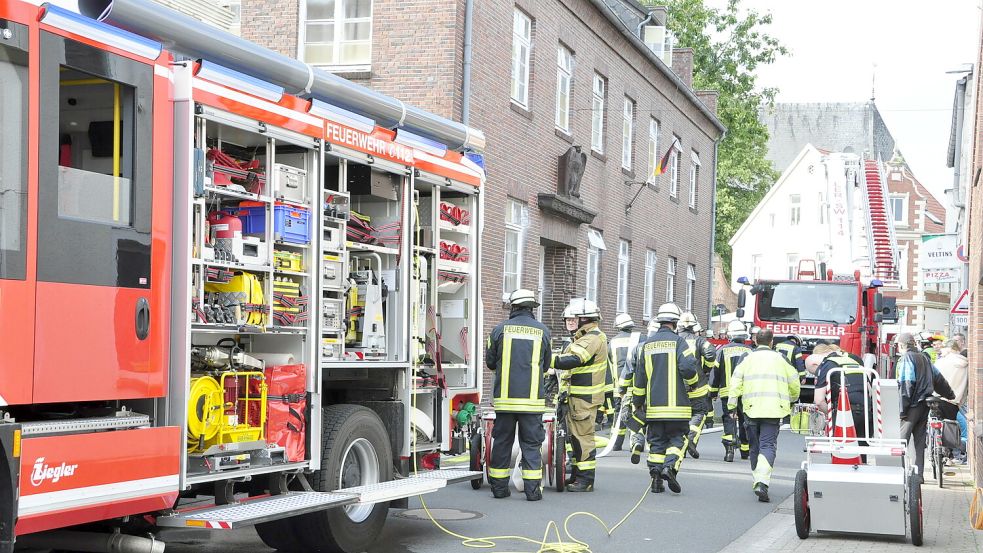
pixel 745 453
pixel 669 475
pixel 691 446
pixel 657 485
pixel 535 495
pixel 761 490
pixel 729 453
pixel 636 452
pixel 501 492
pixel 581 486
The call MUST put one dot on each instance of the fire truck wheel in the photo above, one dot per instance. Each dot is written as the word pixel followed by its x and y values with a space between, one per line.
pixel 356 452
pixel 475 458
pixel 277 534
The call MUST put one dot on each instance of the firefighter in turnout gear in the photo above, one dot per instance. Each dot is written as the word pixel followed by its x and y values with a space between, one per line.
pixel 518 351
pixel 699 394
pixel 766 385
pixel 665 366
pixel 621 346
pixel 584 365
pixel 789 348
pixel 728 356
pixel 635 418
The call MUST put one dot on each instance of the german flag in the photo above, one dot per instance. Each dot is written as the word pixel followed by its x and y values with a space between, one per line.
pixel 664 163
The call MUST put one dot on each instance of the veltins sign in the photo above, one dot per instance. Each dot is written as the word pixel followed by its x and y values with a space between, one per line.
pixel 938 251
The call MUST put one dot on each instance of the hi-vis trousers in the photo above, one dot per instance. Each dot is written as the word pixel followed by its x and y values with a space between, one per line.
pixel 580 424
pixel 763 434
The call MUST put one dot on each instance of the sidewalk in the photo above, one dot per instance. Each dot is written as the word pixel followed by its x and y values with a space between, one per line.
pixel 946 526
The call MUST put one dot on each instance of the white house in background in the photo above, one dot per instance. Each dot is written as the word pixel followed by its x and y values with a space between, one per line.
pixel 791 223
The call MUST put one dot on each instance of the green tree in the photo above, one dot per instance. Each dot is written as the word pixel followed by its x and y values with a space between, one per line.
pixel 729 43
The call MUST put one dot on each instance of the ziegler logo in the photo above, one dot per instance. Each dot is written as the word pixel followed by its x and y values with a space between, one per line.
pixel 44 472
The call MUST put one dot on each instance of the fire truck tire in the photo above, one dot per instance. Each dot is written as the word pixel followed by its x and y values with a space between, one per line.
pixel 475 455
pixel 280 535
pixel 356 452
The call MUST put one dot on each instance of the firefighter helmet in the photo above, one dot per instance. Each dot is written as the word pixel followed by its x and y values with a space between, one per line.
pixel 697 328
pixel 687 321
pixel 583 308
pixel 623 321
pixel 736 328
pixel 523 297
pixel 668 313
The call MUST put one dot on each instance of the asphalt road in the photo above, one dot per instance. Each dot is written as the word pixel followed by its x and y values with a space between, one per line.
pixel 715 507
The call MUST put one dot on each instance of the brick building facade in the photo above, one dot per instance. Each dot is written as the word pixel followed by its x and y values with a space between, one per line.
pixel 974 222
pixel 417 55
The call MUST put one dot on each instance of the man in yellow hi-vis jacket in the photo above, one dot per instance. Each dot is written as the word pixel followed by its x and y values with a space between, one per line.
pixel 766 384
pixel 518 350
pixel 583 365
pixel 665 366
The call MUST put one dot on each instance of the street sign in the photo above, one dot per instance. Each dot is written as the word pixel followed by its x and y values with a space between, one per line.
pixel 941 276
pixel 961 305
pixel 960 320
pixel 938 251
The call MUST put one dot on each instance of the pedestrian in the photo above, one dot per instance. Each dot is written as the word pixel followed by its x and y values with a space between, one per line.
pixel 766 385
pixel 620 347
pixel 791 349
pixel 915 376
pixel 699 394
pixel 518 351
pixel 960 339
pixel 955 369
pixel 728 357
pixel 583 365
pixel 665 366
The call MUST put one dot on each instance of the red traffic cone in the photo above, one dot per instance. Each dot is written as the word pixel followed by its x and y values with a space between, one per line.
pixel 844 429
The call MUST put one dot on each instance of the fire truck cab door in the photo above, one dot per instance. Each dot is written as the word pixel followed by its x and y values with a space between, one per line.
pixel 97 286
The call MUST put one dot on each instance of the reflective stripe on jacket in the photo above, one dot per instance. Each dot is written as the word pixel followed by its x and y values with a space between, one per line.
pixel 665 365
pixel 518 350
pixel 792 354
pixel 705 352
pixel 620 347
pixel 728 357
pixel 765 384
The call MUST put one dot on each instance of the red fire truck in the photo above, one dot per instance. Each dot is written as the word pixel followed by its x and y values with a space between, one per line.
pixel 225 275
pixel 834 309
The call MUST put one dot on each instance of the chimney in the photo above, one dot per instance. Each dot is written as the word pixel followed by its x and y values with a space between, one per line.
pixel 660 15
pixel 709 99
pixel 682 64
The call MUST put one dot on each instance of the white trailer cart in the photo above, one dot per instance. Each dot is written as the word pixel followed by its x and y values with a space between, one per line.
pixel 880 495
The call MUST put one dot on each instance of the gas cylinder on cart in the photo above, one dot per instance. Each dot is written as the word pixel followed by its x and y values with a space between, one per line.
pixel 226 231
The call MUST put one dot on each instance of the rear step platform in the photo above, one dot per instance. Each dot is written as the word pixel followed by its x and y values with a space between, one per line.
pixel 267 508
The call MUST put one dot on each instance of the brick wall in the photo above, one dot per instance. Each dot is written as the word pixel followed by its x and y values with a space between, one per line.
pixel 682 64
pixel 975 338
pixel 272 23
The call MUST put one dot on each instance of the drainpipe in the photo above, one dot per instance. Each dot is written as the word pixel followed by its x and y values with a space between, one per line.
pixel 713 229
pixel 466 77
pixel 638 30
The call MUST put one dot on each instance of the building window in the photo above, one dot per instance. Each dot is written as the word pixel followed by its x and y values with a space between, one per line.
pixel 899 209
pixel 771 217
pixel 674 169
pixel 795 209
pixel 521 46
pixel 671 280
pixel 624 263
pixel 694 178
pixel 595 245
pixel 338 33
pixel 822 209
pixel 653 149
pixel 756 267
pixel 650 261
pixel 793 265
pixel 627 133
pixel 516 222
pixel 690 285
pixel 564 78
pixel 597 114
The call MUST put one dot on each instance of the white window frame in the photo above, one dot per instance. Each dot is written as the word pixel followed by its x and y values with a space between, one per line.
pixel 771 217
pixel 516 223
pixel 903 221
pixel 792 260
pixel 690 285
pixel 595 245
pixel 624 269
pixel 521 51
pixel 598 101
pixel 339 22
pixel 627 133
pixel 794 210
pixel 756 267
pixel 651 261
pixel 671 280
pixel 694 177
pixel 564 87
pixel 674 169
pixel 653 149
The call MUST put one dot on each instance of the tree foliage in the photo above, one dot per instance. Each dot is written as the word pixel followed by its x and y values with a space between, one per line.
pixel 729 43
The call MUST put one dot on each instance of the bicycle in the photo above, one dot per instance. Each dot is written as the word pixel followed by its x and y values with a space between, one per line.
pixel 939 454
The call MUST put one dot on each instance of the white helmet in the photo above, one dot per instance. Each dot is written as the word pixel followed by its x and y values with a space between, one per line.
pixel 583 308
pixel 623 321
pixel 567 313
pixel 687 321
pixel 697 328
pixel 653 326
pixel 736 328
pixel 755 330
pixel 523 297
pixel 668 313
